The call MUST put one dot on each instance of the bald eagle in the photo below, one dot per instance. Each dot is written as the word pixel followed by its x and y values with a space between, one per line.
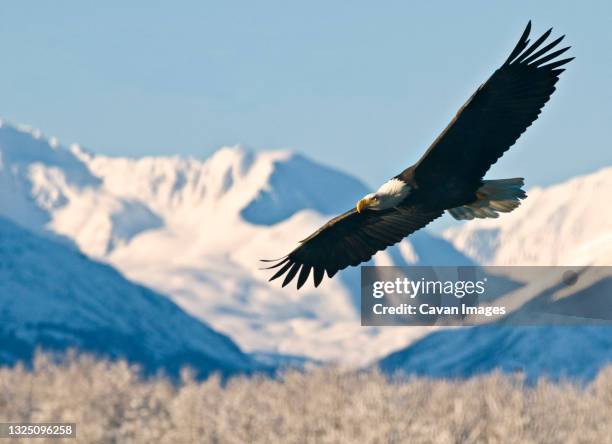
pixel 449 176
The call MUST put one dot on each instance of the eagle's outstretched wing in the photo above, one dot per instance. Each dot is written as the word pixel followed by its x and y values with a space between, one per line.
pixel 350 239
pixel 495 116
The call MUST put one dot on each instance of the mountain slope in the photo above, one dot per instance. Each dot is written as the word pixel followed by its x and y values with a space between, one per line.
pixel 565 224
pixel 576 352
pixel 53 297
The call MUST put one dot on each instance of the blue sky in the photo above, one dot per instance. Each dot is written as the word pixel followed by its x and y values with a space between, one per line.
pixel 365 86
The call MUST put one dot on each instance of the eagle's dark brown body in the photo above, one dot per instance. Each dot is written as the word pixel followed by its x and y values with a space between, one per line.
pixel 450 193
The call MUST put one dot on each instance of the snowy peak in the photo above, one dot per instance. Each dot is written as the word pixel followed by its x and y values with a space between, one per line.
pixel 263 188
pixel 296 183
pixel 178 188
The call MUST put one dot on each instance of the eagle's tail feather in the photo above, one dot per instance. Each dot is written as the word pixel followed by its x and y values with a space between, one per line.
pixel 494 197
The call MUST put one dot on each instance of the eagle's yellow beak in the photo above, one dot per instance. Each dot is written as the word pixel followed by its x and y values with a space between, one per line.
pixel 362 204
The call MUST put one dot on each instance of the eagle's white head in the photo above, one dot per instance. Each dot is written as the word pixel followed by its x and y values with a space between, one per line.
pixel 389 195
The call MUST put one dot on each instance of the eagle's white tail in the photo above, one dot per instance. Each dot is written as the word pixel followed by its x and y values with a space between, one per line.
pixel 494 197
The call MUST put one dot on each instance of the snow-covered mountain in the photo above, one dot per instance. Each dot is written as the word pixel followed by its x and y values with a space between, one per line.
pixel 55 298
pixel 565 224
pixel 196 229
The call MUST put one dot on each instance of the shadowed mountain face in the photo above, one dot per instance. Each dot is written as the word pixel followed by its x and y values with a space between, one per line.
pixel 52 297
pixel 575 352
pixel 299 183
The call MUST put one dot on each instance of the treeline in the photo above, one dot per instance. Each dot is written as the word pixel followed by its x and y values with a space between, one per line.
pixel 112 403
